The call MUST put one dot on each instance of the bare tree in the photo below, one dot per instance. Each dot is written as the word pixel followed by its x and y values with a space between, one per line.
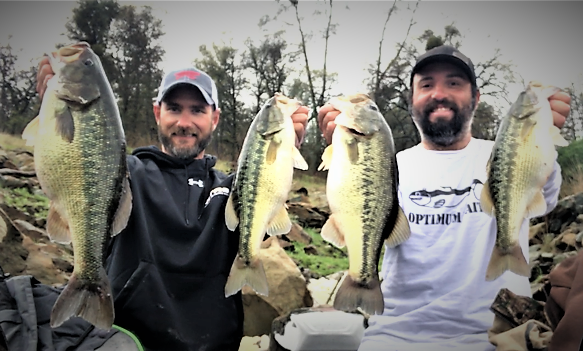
pixel 17 93
pixel 269 63
pixel 223 63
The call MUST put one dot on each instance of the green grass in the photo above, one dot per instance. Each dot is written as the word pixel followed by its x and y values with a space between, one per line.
pixel 24 201
pixel 13 142
pixel 329 259
pixel 571 160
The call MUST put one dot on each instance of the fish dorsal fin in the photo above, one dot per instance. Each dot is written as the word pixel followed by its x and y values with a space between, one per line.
pixel 332 234
pixel 401 231
pixel 124 208
pixel 29 133
pixel 280 224
pixel 57 226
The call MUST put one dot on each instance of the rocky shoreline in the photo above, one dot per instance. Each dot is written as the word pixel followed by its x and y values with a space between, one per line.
pixel 25 249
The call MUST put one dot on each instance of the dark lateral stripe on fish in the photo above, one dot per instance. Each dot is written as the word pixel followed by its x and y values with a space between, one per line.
pixel 370 211
pixel 91 157
pixel 501 179
pixel 251 169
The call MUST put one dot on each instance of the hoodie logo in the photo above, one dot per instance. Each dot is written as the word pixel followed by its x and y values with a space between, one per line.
pixel 192 182
pixel 217 191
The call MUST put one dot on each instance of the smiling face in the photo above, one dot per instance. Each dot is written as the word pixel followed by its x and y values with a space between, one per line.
pixel 443 106
pixel 185 122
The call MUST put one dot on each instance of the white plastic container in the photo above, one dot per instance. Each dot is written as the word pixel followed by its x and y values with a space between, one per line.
pixel 322 331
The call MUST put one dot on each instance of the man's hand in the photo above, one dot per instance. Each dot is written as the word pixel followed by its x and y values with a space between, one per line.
pixel 45 72
pixel 560 106
pixel 300 119
pixel 326 117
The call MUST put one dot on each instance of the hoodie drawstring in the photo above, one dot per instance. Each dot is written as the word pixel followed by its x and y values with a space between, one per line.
pixel 187 196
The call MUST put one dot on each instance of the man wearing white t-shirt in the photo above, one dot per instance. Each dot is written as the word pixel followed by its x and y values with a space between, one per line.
pixel 435 292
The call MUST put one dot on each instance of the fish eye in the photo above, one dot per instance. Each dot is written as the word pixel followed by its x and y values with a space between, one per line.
pixel 373 107
pixel 88 63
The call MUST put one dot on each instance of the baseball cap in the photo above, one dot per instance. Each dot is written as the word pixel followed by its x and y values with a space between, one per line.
pixel 192 76
pixel 446 53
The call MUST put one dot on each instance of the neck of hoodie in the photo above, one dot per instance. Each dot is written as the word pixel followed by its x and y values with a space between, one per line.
pixel 191 168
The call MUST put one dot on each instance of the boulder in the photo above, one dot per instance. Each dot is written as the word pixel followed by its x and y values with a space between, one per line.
pixel 287 290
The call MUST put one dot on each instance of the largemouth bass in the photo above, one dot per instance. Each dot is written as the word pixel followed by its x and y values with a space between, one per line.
pixel 260 189
pixel 80 159
pixel 521 162
pixel 361 189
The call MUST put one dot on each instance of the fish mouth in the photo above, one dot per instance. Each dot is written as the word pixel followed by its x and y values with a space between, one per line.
pixel 68 54
pixel 355 132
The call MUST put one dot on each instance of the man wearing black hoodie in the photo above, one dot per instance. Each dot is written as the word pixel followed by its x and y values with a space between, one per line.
pixel 169 266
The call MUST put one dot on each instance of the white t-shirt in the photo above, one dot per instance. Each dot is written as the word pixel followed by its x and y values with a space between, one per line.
pixel 435 292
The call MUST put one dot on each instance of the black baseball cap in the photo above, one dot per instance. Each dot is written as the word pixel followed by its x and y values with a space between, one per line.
pixel 445 53
pixel 191 76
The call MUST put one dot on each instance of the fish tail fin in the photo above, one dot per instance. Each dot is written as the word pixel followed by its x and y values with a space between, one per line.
pixel 502 261
pixel 353 294
pixel 91 301
pixel 243 273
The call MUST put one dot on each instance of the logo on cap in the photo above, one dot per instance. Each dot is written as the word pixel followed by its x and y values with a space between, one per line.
pixel 189 74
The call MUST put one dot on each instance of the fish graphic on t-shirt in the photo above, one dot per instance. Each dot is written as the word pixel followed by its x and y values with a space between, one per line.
pixel 445 196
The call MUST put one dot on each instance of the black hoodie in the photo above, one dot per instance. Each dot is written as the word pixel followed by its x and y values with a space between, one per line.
pixel 169 266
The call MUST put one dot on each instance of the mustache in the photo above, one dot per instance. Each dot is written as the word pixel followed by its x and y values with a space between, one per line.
pixel 434 104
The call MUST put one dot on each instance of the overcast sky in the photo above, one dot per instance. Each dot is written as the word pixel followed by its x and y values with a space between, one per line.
pixel 543 39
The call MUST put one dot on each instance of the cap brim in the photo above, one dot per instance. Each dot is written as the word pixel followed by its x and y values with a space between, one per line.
pixel 443 58
pixel 206 96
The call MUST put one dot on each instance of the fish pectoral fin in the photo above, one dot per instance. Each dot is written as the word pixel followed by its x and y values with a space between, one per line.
pixel 57 227
pixel 537 207
pixel 64 124
pixel 124 208
pixel 557 138
pixel 272 149
pixel 326 158
pixel 299 161
pixel 332 234
pixel 527 128
pixel 280 224
pixel 231 218
pixel 352 149
pixel 486 200
pixel 30 132
pixel 401 230
pixel 81 94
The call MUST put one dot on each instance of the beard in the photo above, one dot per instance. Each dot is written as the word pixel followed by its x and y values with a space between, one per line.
pixel 184 152
pixel 444 132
